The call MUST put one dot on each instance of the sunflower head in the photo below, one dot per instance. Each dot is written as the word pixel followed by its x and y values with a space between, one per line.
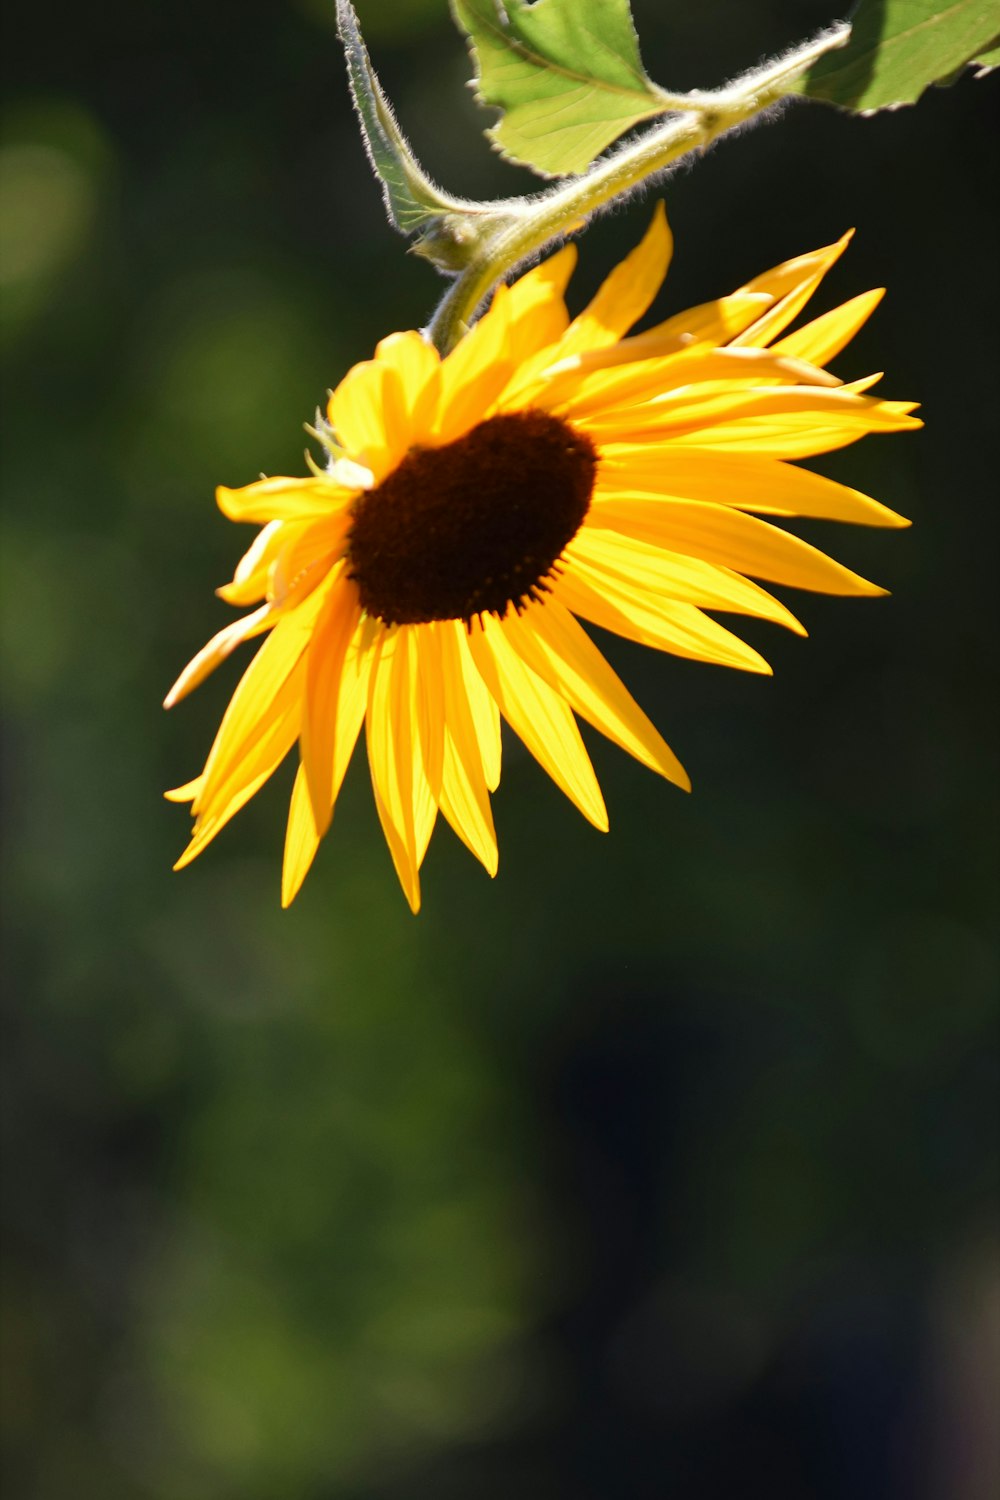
pixel 431 580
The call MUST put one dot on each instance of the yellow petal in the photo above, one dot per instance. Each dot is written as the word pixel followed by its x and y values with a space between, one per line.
pixel 321 727
pixel 293 575
pixel 418 366
pixel 702 413
pixel 730 538
pixel 281 556
pixel 301 839
pixel 466 805
pixel 306 559
pixel 260 754
pixel 475 372
pixel 642 616
pixel 482 704
pixel 206 829
pixel 823 338
pixel 281 499
pixel 797 435
pixel 709 323
pixel 250 579
pixel 393 802
pixel 599 554
pixel 236 779
pixel 608 393
pixel 394 757
pixel 866 383
pixel 352 698
pixel 791 284
pixel 549 278
pixel 255 700
pixel 241 776
pixel 426 678
pixel 537 320
pixel 537 313
pixel 625 295
pixel 368 414
pixel 222 644
pixel 551 642
pixel 464 798
pixel 426 715
pixel 540 717
pixel 744 481
pixel 186 793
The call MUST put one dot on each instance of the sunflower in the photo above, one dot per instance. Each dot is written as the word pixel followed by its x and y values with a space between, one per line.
pixel 430 580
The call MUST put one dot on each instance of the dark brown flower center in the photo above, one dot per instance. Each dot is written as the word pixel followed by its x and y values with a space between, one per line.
pixel 474 526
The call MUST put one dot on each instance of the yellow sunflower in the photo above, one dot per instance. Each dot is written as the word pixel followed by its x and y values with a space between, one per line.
pixel 430 580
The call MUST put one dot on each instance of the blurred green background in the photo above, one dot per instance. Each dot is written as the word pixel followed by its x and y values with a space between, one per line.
pixel 663 1165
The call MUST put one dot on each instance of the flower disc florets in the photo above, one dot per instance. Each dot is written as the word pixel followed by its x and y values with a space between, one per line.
pixel 474 526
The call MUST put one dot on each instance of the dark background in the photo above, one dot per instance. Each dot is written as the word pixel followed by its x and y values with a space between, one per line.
pixel 665 1164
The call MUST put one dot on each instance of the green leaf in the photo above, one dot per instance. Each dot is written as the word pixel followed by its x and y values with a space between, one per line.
pixel 566 74
pixel 898 48
pixel 411 199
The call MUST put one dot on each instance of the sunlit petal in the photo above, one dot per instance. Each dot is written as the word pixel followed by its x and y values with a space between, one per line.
pixel 540 717
pixel 553 644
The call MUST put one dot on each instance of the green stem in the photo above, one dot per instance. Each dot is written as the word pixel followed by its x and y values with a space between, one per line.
pixel 522 227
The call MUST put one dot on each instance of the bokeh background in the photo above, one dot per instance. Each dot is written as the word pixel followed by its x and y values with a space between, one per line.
pixel 663 1165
